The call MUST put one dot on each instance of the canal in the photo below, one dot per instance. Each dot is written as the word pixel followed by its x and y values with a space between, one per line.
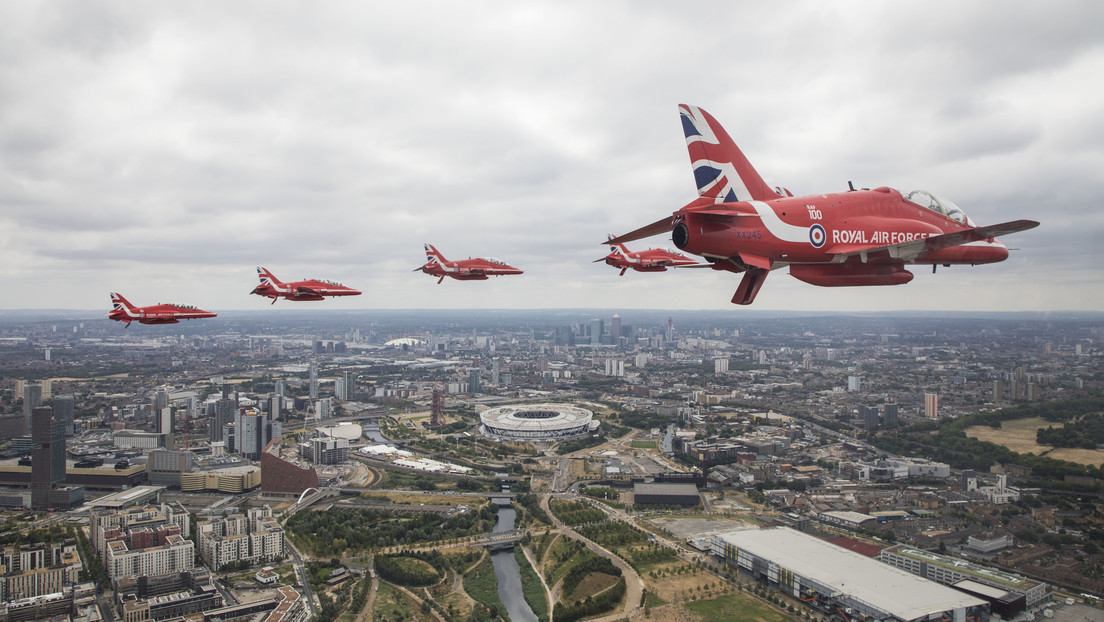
pixel 509 574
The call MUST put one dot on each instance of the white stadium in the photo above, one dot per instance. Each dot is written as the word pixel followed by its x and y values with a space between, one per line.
pixel 537 421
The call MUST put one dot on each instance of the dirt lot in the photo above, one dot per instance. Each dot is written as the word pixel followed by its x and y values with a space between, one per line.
pixel 1019 436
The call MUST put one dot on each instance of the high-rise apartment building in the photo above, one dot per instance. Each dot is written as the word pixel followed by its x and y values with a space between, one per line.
pixel 931 405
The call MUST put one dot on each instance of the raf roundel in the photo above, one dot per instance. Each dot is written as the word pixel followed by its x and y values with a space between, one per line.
pixel 817 236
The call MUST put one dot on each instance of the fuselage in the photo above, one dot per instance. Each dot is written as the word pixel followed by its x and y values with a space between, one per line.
pixel 310 289
pixel 823 228
pixel 158 314
pixel 651 260
pixel 476 269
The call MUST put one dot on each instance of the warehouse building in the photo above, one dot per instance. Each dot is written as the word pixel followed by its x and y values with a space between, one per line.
pixel 665 494
pixel 834 580
pixel 952 571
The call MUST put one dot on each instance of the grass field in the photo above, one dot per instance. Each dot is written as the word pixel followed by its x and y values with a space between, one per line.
pixel 737 607
pixel 644 444
pixel 1019 436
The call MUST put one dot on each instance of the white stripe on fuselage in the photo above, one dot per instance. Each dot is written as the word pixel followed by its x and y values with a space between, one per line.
pixel 781 230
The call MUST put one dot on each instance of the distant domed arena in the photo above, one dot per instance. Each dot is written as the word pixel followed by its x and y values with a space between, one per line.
pixel 536 422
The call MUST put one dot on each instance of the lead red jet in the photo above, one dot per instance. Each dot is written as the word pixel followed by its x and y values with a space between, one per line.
pixel 859 237
pixel 123 311
pixel 651 260
pixel 310 289
pixel 473 269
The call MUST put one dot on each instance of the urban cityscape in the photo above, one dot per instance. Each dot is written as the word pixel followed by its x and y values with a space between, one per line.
pixel 552 465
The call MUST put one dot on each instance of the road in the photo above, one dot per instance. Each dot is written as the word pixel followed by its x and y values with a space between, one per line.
pixel 304 580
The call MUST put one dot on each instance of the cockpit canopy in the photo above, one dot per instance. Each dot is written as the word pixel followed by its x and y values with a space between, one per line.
pixel 936 203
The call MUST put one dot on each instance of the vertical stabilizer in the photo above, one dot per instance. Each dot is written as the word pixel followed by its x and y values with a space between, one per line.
pixel 721 171
pixel 433 255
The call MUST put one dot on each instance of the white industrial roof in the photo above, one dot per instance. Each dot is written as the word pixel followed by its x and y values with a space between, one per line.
pixel 889 589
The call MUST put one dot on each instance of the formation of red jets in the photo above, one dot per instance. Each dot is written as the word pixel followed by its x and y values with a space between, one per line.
pixel 738 224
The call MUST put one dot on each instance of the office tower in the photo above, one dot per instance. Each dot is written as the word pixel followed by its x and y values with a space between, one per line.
pixel 47 458
pixel 615 329
pixel 164 420
pixel 891 414
pixel 931 405
pixel 220 418
pixel 64 406
pixel 313 379
pixel 670 336
pixel 32 399
pixel 596 327
pixel 340 391
pixel 275 407
pixel 473 381
pixel 281 387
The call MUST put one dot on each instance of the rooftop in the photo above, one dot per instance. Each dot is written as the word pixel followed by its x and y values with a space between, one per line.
pixel 892 590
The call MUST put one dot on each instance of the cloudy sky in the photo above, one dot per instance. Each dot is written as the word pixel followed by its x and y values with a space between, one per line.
pixel 164 150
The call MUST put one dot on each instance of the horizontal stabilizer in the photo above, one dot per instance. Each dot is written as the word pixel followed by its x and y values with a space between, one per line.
pixel 660 226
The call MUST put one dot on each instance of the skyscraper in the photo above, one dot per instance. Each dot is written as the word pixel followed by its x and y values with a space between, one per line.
pixel 32 399
pixel 253 430
pixel 64 406
pixel 596 328
pixel 275 407
pixel 314 379
pixel 47 458
pixel 222 415
pixel 615 329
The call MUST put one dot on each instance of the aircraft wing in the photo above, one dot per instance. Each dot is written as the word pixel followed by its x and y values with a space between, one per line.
pixel 915 249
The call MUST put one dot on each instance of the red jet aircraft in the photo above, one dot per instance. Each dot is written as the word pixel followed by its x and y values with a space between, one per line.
pixel 651 260
pixel 122 310
pixel 310 289
pixel 476 269
pixel 860 237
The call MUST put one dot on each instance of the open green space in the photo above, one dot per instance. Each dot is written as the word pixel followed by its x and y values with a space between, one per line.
pixel 737 607
pixel 482 585
pixel 644 444
pixel 531 586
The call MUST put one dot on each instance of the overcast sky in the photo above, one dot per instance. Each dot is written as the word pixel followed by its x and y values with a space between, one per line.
pixel 164 150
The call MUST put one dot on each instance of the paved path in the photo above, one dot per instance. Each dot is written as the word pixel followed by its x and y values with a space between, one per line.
pixel 634 587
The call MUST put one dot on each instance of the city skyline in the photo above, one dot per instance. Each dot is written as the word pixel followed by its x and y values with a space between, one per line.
pixel 165 154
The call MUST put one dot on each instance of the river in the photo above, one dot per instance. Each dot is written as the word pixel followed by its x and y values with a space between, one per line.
pixel 509 574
